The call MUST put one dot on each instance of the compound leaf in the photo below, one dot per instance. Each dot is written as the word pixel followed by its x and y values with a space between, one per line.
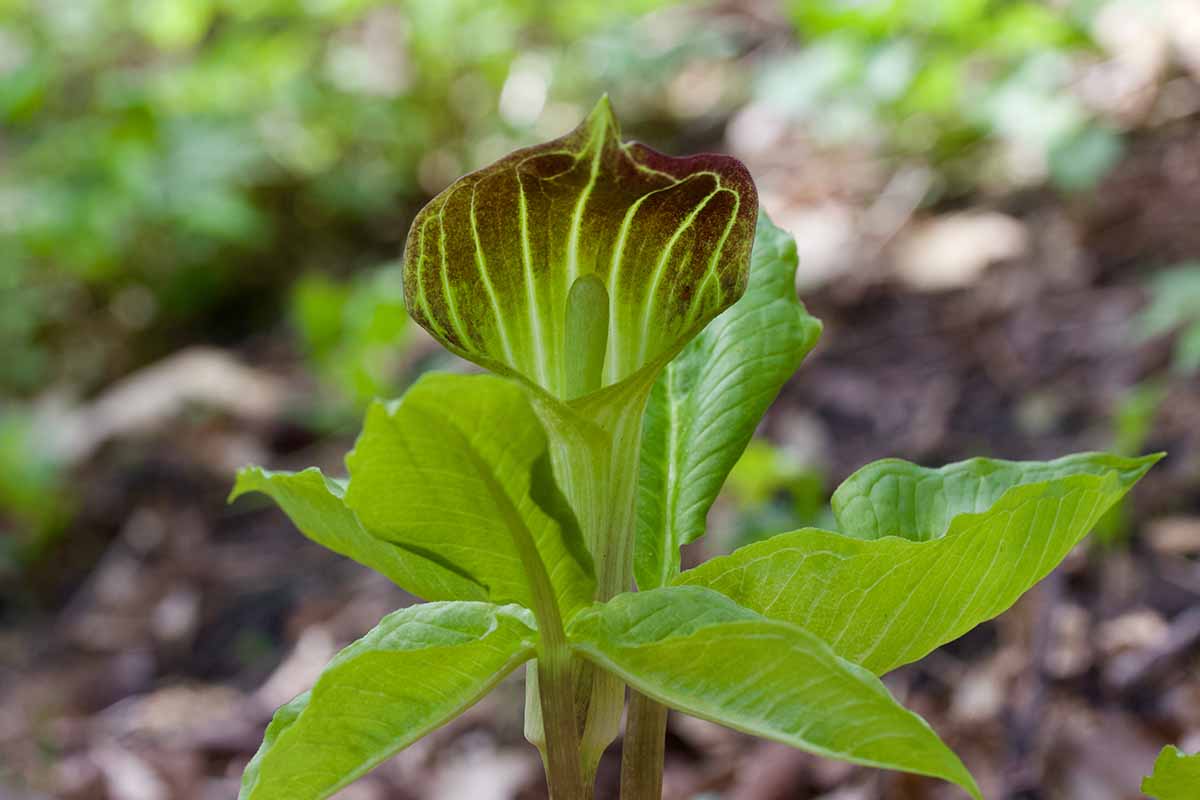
pixel 886 602
pixel 699 652
pixel 418 669
pixel 458 467
pixel 315 504
pixel 706 404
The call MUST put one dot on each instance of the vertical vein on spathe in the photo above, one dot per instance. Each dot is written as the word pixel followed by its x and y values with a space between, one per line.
pixel 652 287
pixel 710 271
pixel 481 264
pixel 422 294
pixel 535 322
pixel 596 142
pixel 615 366
pixel 451 305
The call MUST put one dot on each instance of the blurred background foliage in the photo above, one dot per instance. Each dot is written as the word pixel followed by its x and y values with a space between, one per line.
pixel 954 81
pixel 1175 306
pixel 198 171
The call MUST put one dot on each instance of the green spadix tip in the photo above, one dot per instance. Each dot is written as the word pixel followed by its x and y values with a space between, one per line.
pixel 586 335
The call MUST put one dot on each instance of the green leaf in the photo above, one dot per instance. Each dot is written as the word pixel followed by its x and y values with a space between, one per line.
pixel 708 401
pixel 886 602
pixel 417 670
pixel 697 651
pixel 458 468
pixel 490 262
pixel 1176 776
pixel 315 504
pixel 895 498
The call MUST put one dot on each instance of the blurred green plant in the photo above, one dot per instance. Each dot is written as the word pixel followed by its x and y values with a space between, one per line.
pixel 354 333
pixel 32 497
pixel 950 81
pixel 1134 421
pixel 1133 424
pixel 772 491
pixel 1175 307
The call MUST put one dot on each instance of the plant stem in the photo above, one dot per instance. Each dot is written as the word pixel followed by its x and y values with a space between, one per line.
pixel 564 772
pixel 643 750
pixel 595 454
pixel 555 669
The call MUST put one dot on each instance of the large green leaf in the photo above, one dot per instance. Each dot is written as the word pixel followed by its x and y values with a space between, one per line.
pixel 697 651
pixel 886 602
pixel 896 498
pixel 418 669
pixel 1176 776
pixel 490 262
pixel 315 504
pixel 708 401
pixel 458 467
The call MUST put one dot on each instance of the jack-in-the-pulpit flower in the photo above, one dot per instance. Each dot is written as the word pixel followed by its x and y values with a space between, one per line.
pixel 653 246
pixel 589 274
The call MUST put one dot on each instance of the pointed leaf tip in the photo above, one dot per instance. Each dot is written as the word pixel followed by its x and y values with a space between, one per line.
pixel 603 116
pixel 316 506
pixel 384 692
pixel 944 551
pixel 696 651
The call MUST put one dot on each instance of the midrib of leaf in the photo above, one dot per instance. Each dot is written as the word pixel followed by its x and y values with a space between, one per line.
pixel 556 670
pixel 672 504
pixel 546 608
pixel 812 604
pixel 674 654
pixel 309 781
pixel 339 490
